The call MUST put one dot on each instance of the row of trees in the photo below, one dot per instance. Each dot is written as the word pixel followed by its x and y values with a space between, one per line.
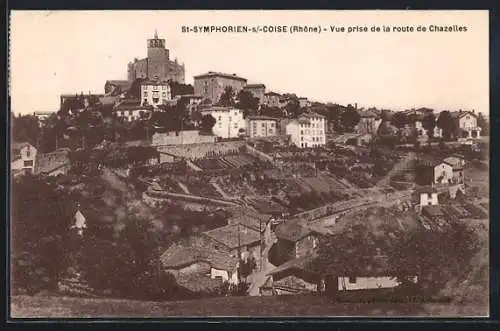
pixel 444 121
pixel 435 257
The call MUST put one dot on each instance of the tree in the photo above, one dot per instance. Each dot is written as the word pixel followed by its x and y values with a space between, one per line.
pixel 446 123
pixel 207 123
pixel 399 120
pixel 247 102
pixel 41 236
pixel 293 108
pixel 25 128
pixel 347 253
pixel 350 118
pixel 227 98
pixel 429 123
pixel 434 257
pixel 482 122
pixel 134 92
pixel 180 89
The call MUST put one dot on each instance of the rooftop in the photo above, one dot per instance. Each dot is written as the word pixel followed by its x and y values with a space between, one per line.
pixel 262 118
pixel 434 211
pixel 48 162
pixel 255 86
pixel 234 235
pixel 180 255
pixel 220 74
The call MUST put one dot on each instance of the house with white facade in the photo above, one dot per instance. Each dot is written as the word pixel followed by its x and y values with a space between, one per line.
pixel 261 126
pixel 466 125
pixel 23 158
pixel 307 131
pixel 132 110
pixel 434 171
pixel 229 122
pixel 155 93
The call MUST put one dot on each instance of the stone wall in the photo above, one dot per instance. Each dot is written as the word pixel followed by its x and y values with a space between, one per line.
pixel 199 151
pixel 187 137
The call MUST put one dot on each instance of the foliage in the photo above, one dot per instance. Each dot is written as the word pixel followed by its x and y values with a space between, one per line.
pixel 127 266
pixel 207 123
pixel 293 108
pixel 134 91
pixel 347 253
pixel 446 123
pixel 247 266
pixel 429 123
pixel 434 256
pixel 247 102
pixel 227 98
pixel 399 120
pixel 41 236
pixel 180 89
pixel 271 111
pixel 482 122
pixel 350 118
pixel 25 128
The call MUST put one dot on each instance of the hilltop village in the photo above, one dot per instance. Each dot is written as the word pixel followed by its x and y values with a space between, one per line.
pixel 157 189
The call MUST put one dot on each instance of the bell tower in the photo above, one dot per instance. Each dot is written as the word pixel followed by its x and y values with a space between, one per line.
pixel 156 49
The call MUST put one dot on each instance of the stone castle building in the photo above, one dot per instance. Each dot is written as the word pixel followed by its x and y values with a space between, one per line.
pixel 157 66
pixel 212 84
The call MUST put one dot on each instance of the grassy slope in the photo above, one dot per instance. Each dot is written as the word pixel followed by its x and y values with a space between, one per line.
pixel 284 306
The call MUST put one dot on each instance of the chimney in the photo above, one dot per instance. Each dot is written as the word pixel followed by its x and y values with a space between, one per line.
pixel 355 105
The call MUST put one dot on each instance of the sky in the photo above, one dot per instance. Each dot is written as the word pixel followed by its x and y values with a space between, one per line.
pixel 57 52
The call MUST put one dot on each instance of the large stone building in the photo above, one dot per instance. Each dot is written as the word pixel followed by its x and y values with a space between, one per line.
pixel 212 84
pixel 258 91
pixel 157 65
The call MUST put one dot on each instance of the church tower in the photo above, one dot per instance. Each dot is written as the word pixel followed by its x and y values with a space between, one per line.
pixel 158 55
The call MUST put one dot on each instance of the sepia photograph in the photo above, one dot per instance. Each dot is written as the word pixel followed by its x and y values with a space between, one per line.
pixel 249 163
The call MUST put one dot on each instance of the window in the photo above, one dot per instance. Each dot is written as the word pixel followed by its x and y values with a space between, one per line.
pixel 28 163
pixel 235 113
pixel 145 94
pixel 263 125
pixel 145 101
pixel 144 87
pixel 164 87
pixel 229 118
pixel 235 125
pixel 130 112
pixel 352 280
pixel 220 118
pixel 164 95
pixel 28 151
pixel 301 131
pixel 272 124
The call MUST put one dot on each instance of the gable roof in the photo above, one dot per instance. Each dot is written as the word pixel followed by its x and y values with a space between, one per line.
pixel 49 162
pixel 234 235
pixel 180 255
pixel 252 220
pixel 429 161
pixel 455 162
